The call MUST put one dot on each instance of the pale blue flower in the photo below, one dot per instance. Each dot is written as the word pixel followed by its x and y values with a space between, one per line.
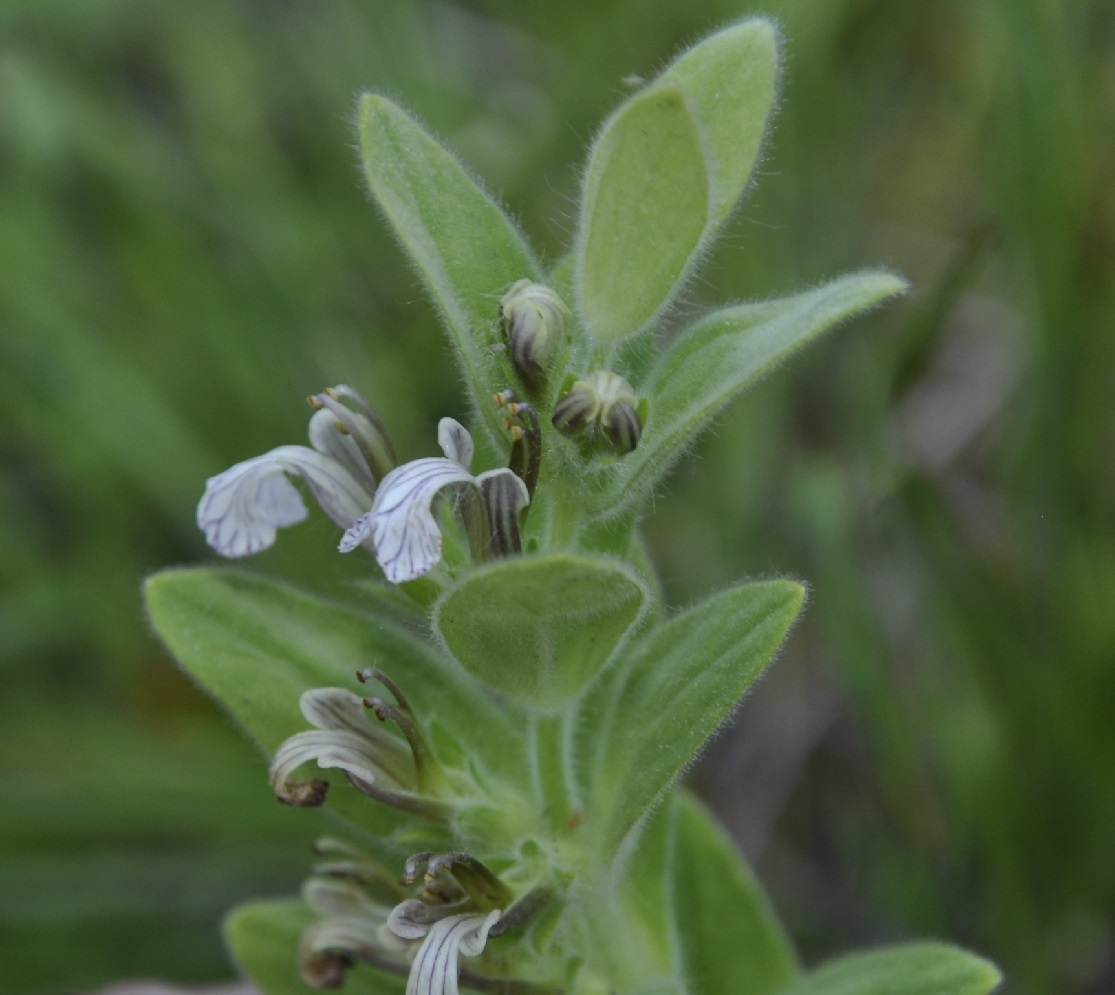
pixel 244 507
pixel 401 525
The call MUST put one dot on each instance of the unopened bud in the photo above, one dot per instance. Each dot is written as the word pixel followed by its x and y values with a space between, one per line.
pixel 602 403
pixel 533 318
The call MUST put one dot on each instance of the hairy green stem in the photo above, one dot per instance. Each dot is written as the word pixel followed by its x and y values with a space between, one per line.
pixel 548 736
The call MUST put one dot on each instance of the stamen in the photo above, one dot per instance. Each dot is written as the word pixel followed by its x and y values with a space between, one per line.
pixel 426 767
pixel 526 446
pixel 358 420
pixel 481 885
pixel 374 674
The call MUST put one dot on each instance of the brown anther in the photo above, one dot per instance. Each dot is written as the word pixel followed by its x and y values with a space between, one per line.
pixel 378 706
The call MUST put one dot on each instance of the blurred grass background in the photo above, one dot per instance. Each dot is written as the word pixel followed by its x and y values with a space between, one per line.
pixel 186 252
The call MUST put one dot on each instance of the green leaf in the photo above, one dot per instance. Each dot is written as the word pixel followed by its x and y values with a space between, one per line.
pixel 644 211
pixel 263 939
pixel 692 914
pixel 643 954
pixel 914 969
pixel 256 644
pixel 539 628
pixel 720 357
pixel 465 248
pixel 679 683
pixel 731 80
pixel 730 938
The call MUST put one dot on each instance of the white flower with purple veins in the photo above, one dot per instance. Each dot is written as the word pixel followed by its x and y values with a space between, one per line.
pixel 401 524
pixel 351 469
pixel 244 507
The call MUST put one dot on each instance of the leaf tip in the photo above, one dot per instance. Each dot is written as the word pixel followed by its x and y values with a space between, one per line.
pixel 155 589
pixel 761 29
pixel 892 283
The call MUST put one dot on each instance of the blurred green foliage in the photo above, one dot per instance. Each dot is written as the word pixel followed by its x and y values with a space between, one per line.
pixel 185 251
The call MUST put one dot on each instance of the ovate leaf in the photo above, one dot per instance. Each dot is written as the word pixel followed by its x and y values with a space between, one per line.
pixel 914 969
pixel 731 79
pixel 644 211
pixel 730 938
pixel 721 356
pixel 680 682
pixel 539 628
pixel 464 247
pixel 263 939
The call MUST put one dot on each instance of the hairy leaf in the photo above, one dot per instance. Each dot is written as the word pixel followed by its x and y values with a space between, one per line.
pixel 263 939
pixel 914 969
pixel 539 628
pixel 643 213
pixel 680 682
pixel 730 938
pixel 464 247
pixel 256 644
pixel 731 79
pixel 721 356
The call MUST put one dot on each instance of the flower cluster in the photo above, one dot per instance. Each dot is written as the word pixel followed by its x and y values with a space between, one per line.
pixel 389 509
pixel 382 507
pixel 368 916
pixel 400 512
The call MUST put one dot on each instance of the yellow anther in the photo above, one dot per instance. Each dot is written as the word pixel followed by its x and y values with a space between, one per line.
pixel 516 432
pixel 314 403
pixel 512 408
pixel 341 428
pixel 499 399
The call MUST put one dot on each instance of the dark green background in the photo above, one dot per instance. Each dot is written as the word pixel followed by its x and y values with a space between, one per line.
pixel 186 251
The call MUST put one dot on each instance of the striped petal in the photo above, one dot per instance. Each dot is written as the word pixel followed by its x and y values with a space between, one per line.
pixel 455 441
pixel 340 709
pixel 243 508
pixel 435 968
pixel 341 749
pixel 401 524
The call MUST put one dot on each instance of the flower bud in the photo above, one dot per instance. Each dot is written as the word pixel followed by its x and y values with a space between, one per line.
pixel 533 318
pixel 602 403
